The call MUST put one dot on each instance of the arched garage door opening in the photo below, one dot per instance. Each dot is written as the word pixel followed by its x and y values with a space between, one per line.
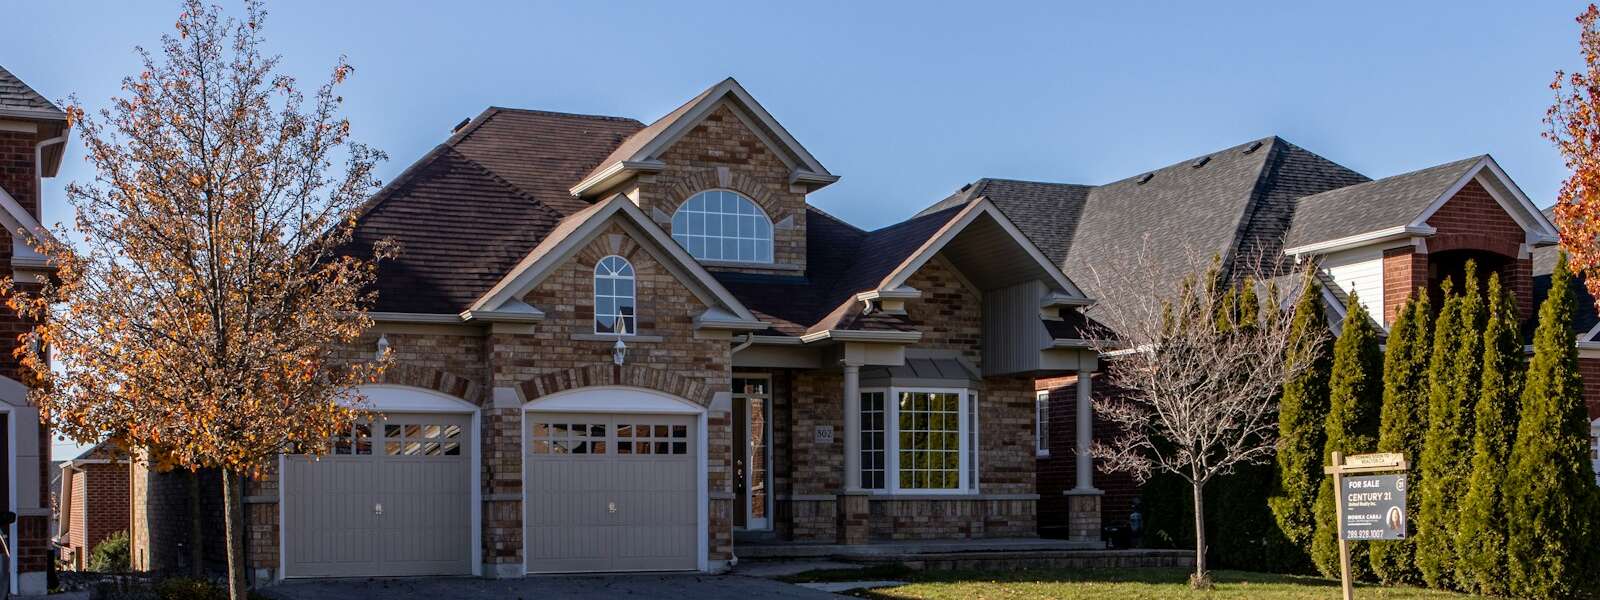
pixel 614 479
pixel 398 497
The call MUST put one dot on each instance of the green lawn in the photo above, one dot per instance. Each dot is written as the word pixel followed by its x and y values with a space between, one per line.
pixel 1129 584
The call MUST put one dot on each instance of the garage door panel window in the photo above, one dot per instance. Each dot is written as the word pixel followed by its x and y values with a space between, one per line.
pixel 568 438
pixel 919 440
pixel 421 439
pixel 643 438
pixel 357 440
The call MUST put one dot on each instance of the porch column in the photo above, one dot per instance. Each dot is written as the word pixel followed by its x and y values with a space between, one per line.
pixel 852 509
pixel 1083 500
pixel 1085 466
pixel 852 428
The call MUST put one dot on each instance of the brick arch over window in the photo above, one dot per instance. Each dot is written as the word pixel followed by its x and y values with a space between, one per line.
pixel 660 380
pixel 426 378
pixel 703 180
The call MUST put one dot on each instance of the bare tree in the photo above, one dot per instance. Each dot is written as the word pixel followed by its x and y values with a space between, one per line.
pixel 1196 363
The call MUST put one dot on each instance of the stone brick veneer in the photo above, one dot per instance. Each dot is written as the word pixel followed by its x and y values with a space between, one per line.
pixel 722 153
pixel 808 478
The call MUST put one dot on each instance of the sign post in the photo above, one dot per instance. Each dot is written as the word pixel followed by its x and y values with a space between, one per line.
pixel 1367 507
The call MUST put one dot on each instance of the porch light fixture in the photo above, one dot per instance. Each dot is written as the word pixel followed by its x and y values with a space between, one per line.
pixel 619 352
pixel 383 346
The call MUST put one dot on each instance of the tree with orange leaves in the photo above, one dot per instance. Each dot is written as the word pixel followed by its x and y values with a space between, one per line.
pixel 202 313
pixel 1574 121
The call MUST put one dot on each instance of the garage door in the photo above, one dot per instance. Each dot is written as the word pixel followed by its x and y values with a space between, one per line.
pixel 392 500
pixel 610 493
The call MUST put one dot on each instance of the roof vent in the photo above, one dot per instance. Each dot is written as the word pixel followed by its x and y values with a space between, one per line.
pixel 965 187
pixel 460 125
pixel 1145 177
pixel 1200 162
pixel 1254 146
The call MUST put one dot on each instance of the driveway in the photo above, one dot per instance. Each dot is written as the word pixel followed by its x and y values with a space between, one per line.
pixel 703 587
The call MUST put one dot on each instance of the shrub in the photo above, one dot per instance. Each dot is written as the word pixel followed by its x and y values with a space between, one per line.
pixel 1405 408
pixel 1481 539
pixel 1302 412
pixel 1355 398
pixel 111 554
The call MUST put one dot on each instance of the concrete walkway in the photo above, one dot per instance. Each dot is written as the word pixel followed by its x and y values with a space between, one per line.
pixel 703 587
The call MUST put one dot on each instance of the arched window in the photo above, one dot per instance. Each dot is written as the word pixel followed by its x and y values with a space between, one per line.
pixel 723 225
pixel 613 296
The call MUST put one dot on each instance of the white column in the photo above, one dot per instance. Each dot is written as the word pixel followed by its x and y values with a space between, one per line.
pixel 1085 466
pixel 852 428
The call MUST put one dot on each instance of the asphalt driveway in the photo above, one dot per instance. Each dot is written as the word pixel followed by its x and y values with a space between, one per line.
pixel 702 587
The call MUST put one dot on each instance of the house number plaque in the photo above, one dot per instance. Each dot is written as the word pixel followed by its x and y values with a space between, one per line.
pixel 823 436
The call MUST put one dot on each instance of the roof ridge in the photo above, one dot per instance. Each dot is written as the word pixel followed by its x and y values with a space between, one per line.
pixel 557 113
pixel 1190 160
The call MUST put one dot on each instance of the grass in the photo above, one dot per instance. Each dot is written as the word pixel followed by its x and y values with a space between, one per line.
pixel 1127 584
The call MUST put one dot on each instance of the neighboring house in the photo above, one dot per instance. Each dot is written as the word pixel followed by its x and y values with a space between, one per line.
pixel 93 502
pixel 1380 239
pixel 33 133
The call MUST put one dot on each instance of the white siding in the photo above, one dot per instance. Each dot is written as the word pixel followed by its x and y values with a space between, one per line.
pixel 1359 270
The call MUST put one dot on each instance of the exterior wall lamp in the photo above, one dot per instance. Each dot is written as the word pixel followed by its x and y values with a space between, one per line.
pixel 383 346
pixel 619 352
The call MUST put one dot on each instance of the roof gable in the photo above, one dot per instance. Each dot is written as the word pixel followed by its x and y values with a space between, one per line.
pixel 642 151
pixel 1401 205
pixel 503 301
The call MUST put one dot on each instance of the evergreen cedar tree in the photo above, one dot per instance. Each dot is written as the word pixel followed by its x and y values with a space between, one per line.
pixel 1447 448
pixel 1302 413
pixel 1405 397
pixel 1550 494
pixel 1355 398
pixel 1481 539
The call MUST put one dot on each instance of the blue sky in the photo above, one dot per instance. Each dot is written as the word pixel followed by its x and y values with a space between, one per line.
pixel 907 101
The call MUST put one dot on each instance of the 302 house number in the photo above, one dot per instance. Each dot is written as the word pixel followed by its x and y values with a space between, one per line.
pixel 823 435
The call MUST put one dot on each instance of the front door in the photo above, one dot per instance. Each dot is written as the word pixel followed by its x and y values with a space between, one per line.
pixel 752 406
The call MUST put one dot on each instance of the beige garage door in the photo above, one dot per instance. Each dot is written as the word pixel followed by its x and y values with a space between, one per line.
pixel 610 493
pixel 392 500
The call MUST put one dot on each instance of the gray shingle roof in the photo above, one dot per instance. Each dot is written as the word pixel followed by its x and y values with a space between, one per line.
pixel 17 98
pixel 1374 205
pixel 1237 201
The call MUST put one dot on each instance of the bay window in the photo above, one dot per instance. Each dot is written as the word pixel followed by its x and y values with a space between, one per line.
pixel 919 440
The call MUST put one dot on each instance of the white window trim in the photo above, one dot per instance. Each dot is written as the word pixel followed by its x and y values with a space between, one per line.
pixel 968 485
pixel 768 521
pixel 772 229
pixel 594 284
pixel 1041 424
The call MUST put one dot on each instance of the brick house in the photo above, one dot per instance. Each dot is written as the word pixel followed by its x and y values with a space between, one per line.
pixel 33 133
pixel 93 502
pixel 1381 239
pixel 624 347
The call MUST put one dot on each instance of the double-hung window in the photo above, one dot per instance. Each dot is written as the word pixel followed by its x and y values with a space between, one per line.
pixel 919 440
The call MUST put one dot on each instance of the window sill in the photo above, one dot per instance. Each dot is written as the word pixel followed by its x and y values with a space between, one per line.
pixel 607 337
pixel 1042 454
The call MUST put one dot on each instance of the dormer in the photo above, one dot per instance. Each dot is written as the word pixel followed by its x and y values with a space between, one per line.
pixel 723 177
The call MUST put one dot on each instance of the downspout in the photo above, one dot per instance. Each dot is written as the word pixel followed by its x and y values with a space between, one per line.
pixel 749 338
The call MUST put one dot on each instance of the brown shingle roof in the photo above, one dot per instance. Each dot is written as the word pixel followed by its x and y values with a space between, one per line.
pixel 542 153
pixel 460 229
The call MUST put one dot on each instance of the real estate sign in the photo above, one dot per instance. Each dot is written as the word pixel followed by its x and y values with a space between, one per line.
pixel 1374 507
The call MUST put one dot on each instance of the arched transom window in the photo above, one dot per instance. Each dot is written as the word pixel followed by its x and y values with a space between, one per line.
pixel 614 296
pixel 723 225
